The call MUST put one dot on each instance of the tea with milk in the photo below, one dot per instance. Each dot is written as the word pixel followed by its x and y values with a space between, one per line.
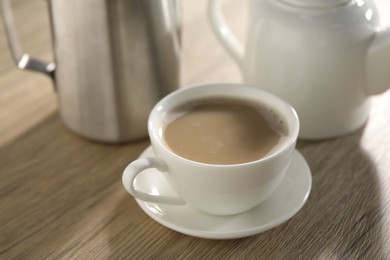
pixel 224 131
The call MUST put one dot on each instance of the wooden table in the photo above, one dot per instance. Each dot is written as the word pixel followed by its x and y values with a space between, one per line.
pixel 61 196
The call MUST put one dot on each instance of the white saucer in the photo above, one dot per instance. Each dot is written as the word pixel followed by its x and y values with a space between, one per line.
pixel 287 200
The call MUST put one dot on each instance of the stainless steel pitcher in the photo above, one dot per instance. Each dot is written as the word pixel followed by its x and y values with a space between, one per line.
pixel 114 59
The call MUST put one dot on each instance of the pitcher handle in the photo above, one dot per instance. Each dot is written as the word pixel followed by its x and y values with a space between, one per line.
pixel 21 59
pixel 224 33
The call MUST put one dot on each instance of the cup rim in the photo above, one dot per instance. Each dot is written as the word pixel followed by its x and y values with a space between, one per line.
pixel 160 107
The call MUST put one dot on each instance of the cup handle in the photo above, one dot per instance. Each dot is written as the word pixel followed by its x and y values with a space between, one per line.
pixel 136 167
pixel 22 59
pixel 223 32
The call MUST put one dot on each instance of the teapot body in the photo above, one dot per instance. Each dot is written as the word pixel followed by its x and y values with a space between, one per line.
pixel 315 59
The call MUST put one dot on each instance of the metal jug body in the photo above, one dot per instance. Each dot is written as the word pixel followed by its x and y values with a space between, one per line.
pixel 113 61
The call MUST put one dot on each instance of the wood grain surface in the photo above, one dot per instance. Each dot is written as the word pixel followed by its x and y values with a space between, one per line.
pixel 61 196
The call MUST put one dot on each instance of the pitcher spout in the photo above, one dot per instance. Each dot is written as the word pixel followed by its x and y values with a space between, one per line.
pixel 378 63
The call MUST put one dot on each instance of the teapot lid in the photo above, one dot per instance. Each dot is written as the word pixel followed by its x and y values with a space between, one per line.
pixel 316 3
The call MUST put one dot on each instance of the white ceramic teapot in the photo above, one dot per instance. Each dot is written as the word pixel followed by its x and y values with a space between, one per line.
pixel 326 57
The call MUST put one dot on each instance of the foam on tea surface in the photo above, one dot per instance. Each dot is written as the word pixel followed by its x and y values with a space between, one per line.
pixel 224 131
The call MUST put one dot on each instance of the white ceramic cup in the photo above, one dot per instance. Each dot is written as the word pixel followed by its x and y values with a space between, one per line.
pixel 211 188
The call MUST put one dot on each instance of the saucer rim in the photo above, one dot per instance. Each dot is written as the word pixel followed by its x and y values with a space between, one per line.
pixel 226 234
